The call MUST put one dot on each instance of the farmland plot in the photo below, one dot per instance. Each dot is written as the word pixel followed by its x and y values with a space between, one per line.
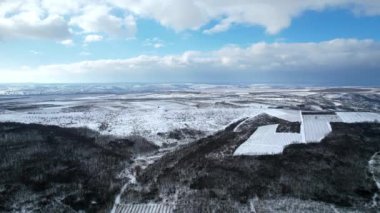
pixel 357 117
pixel 316 127
pixel 266 140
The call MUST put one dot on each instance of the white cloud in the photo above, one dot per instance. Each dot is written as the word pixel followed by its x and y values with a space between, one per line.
pixel 63 7
pixel 26 19
pixel 154 42
pixel 335 58
pixel 30 25
pixel 177 14
pixel 224 25
pixel 53 19
pixel 93 38
pixel 158 45
pixel 366 7
pixel 273 15
pixel 67 42
pixel 98 19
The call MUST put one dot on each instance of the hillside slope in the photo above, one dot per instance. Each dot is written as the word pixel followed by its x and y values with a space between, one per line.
pixel 204 176
pixel 53 169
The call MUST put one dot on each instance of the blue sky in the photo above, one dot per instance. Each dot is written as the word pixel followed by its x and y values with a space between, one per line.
pixel 246 41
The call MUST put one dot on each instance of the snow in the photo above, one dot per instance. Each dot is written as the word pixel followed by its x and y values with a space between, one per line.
pixel 131 180
pixel 355 117
pixel 122 205
pixel 132 114
pixel 374 168
pixel 316 127
pixel 265 140
pixel 147 110
pixel 288 115
pixel 302 129
pixel 237 128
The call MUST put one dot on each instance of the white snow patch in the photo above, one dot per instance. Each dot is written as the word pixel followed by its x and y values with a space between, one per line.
pixel 357 117
pixel 266 140
pixel 316 127
pixel 289 115
pixel 125 116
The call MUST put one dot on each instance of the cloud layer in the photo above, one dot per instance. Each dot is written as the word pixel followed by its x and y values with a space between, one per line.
pixel 58 20
pixel 330 58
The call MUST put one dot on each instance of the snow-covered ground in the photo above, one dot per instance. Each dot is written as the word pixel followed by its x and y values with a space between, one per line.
pixel 355 117
pixel 144 114
pixel 316 127
pixel 149 110
pixel 266 140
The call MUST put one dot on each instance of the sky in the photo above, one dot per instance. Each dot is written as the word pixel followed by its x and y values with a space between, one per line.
pixel 299 42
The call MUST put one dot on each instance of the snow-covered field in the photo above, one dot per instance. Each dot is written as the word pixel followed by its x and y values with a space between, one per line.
pixel 149 110
pixel 355 117
pixel 142 114
pixel 266 140
pixel 146 118
pixel 316 127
